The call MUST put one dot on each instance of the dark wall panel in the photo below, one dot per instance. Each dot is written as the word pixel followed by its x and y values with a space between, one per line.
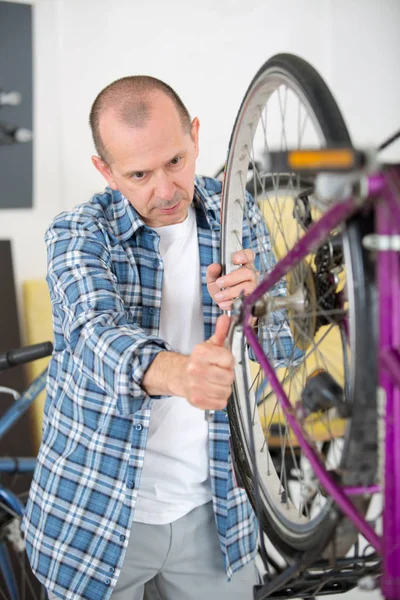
pixel 16 75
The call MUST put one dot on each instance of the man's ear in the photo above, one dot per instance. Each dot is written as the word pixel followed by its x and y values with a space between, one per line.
pixel 104 169
pixel 194 130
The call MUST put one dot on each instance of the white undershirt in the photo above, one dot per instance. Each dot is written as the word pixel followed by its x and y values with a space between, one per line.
pixel 175 476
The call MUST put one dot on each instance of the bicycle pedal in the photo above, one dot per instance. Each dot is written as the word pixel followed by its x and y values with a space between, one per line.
pixel 322 392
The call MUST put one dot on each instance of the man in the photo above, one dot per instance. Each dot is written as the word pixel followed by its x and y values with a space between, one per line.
pixel 132 483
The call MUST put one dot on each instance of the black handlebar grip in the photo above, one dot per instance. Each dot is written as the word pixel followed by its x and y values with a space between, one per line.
pixel 25 355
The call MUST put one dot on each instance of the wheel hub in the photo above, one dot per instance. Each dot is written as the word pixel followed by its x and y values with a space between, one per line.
pixel 303 322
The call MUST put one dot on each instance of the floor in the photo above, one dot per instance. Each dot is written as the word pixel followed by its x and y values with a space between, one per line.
pixel 357 593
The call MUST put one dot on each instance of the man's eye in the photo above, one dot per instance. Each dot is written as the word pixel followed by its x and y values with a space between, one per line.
pixel 139 175
pixel 176 160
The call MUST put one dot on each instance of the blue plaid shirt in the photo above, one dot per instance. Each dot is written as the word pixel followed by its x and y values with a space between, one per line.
pixel 105 278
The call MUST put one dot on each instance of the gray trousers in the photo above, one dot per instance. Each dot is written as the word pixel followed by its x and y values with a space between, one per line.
pixel 180 561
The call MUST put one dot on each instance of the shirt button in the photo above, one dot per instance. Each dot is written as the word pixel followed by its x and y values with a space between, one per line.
pixel 112 570
pixel 138 427
pixel 155 263
pixel 131 484
pixel 122 538
pixel 151 311
pixel 107 581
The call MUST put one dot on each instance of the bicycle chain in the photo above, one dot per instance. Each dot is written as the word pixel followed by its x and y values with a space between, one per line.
pixel 326 260
pixel 328 300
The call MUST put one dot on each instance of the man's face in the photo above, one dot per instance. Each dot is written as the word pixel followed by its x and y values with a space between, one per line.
pixel 153 166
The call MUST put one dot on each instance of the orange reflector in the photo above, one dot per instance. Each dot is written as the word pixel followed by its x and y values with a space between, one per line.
pixel 321 159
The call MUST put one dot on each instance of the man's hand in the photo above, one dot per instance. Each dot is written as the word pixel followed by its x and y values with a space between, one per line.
pixel 209 372
pixel 204 378
pixel 224 289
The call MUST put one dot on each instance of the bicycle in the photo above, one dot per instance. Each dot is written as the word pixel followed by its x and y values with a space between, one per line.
pixel 16 579
pixel 333 215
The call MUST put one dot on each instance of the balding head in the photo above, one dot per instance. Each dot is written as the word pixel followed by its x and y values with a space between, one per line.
pixel 130 99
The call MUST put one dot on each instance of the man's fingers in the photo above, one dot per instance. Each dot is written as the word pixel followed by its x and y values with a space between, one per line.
pixel 199 401
pixel 211 386
pixel 243 280
pixel 212 374
pixel 208 353
pixel 240 275
pixel 219 378
pixel 211 370
pixel 243 257
pixel 234 292
pixel 213 272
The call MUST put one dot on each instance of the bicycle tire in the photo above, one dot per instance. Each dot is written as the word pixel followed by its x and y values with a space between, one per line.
pixel 359 460
pixel 19 576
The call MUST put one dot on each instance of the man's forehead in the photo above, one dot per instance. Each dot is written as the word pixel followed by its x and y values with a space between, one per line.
pixel 161 134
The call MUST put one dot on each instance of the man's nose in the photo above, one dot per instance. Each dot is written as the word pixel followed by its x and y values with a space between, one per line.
pixel 164 187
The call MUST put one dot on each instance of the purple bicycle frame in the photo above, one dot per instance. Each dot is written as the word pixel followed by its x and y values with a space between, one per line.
pixel 388 224
pixel 387 217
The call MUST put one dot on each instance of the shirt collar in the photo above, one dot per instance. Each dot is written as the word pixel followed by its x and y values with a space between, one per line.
pixel 211 204
pixel 127 221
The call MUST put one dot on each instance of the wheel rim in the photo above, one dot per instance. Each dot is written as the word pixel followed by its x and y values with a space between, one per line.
pixel 277 89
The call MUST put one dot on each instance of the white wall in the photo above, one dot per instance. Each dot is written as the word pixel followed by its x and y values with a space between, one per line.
pixel 208 51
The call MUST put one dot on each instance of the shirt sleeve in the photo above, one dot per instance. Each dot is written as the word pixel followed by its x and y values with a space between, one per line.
pixel 90 320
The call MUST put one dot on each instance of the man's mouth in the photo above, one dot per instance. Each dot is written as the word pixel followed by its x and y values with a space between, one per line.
pixel 170 209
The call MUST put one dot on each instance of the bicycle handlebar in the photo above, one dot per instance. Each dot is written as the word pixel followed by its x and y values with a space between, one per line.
pixel 24 355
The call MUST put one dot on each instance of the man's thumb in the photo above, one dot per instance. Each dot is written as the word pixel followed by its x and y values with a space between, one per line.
pixel 221 330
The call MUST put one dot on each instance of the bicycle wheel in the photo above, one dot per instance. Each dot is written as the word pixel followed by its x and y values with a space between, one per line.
pixel 329 367
pixel 17 581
